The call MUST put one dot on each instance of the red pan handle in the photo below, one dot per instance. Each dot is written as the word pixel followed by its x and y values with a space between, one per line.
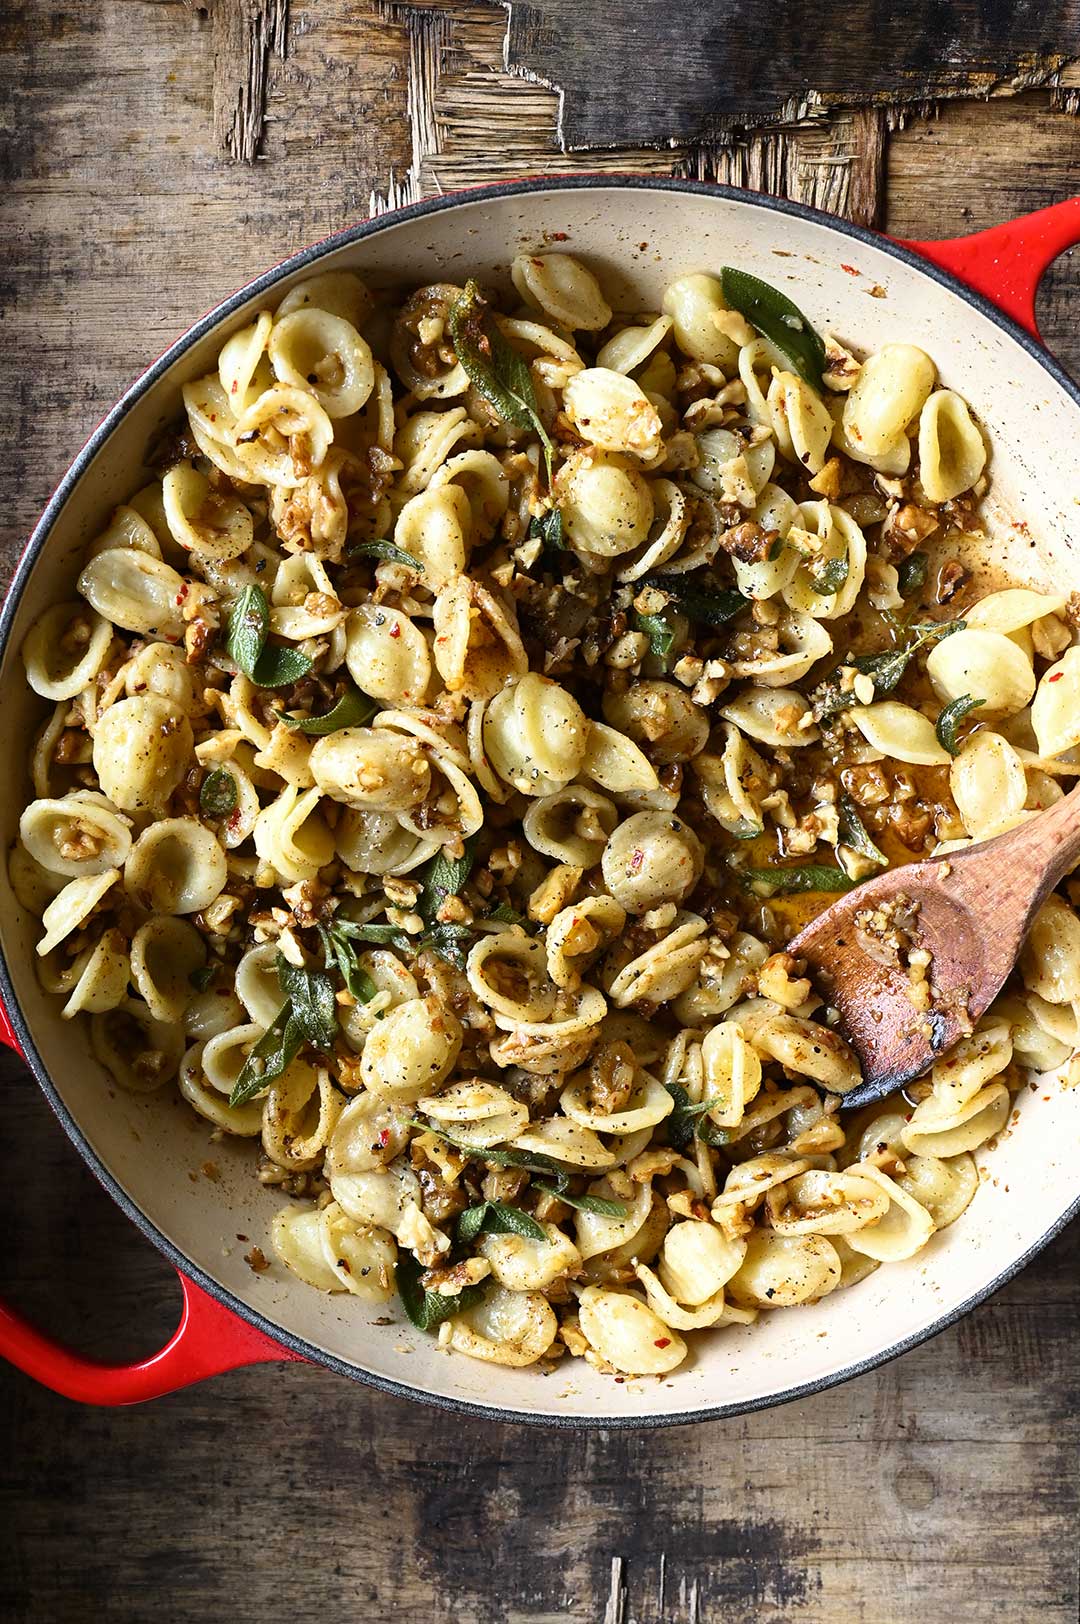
pixel 1007 262
pixel 209 1339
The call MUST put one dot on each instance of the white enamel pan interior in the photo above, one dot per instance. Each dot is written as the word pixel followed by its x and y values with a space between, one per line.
pixel 637 236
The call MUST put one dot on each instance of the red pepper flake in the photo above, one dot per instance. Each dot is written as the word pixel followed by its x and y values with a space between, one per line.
pixel 636 859
pixel 233 820
pixel 183 592
pixel 395 631
pixel 1055 676
pixel 384 1138
pixel 850 269
pixel 558 236
pixel 663 1342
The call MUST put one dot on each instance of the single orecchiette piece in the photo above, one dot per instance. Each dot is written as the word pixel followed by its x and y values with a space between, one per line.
pixel 890 391
pixel 141 751
pixel 626 1333
pixel 477 646
pixel 562 287
pixel 652 858
pixel 535 735
pixel 65 649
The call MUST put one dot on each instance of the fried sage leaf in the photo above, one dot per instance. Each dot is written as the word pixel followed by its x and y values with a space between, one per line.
pixel 388 552
pixel 267 665
pixel 428 1309
pixel 218 794
pixel 788 881
pixel 496 1218
pixel 699 603
pixel 494 368
pixel 854 833
pixel 353 709
pixel 777 319
pixel 950 718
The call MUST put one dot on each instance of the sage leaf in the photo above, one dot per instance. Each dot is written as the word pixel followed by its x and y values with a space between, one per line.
pixel 547 528
pixel 586 1203
pixel 493 367
pixel 950 718
pixel 660 634
pixel 428 1309
pixel 377 935
pixel 828 575
pixel 266 666
pixel 710 608
pixel 274 1053
pixel 339 953
pixel 787 881
pixel 886 669
pixel 352 709
pixel 774 316
pixel 495 1218
pixel 682 1123
pixel 911 574
pixel 200 979
pixel 444 877
pixel 311 997
pixel 249 622
pixel 218 794
pixel 279 667
pixel 388 552
pixel 854 833
pixel 448 941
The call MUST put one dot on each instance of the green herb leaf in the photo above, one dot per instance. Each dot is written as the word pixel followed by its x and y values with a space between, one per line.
pixel 494 368
pixel 911 574
pixel 218 794
pixel 510 916
pixel 950 718
pixel 388 552
pixel 353 709
pixel 495 1218
pixel 886 669
pixel 311 996
pixel 428 1309
pixel 786 881
pixel 827 575
pixel 249 622
pixel 339 953
pixel 377 935
pixel 444 877
pixel 267 666
pixel 547 528
pixel 201 978
pixel 710 608
pixel 450 942
pixel 586 1203
pixel 660 634
pixel 711 1135
pixel 680 1124
pixel 274 1053
pixel 531 1161
pixel 279 667
pixel 774 315
pixel 854 833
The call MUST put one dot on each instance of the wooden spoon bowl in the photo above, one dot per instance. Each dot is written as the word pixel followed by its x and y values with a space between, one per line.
pixel 970 911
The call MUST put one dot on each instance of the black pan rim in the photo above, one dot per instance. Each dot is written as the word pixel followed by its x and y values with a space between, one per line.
pixel 39 537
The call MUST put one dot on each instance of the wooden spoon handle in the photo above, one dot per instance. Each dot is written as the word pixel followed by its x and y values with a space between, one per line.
pixel 1040 851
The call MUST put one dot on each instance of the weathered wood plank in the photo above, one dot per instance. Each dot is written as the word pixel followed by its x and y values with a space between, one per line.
pixel 652 72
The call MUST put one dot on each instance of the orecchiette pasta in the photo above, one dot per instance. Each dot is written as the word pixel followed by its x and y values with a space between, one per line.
pixel 437 767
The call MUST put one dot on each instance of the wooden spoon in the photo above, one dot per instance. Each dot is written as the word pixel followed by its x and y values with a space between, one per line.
pixel 971 910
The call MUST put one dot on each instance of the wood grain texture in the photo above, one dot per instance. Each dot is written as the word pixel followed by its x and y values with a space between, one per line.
pixel 649 72
pixel 945 1485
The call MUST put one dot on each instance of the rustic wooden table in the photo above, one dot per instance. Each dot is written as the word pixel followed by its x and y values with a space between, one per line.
pixel 157 155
